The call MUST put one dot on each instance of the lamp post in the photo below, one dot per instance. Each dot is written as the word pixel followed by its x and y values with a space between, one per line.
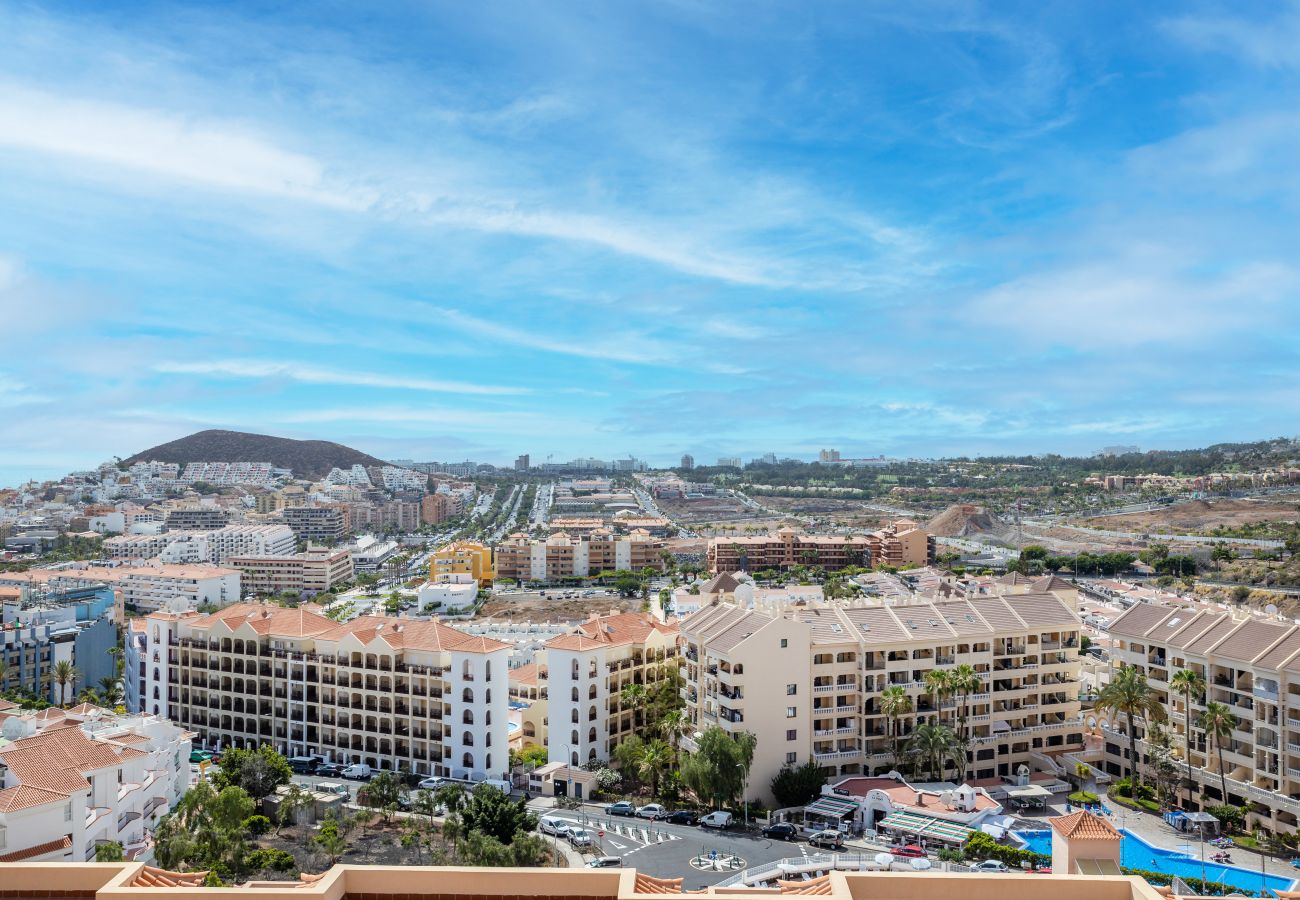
pixel 744 790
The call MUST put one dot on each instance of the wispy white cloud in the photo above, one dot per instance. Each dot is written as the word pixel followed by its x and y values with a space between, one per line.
pixel 1270 42
pixel 309 374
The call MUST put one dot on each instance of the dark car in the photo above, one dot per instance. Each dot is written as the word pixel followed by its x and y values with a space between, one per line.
pixel 781 831
pixel 328 770
pixel 621 808
pixel 682 817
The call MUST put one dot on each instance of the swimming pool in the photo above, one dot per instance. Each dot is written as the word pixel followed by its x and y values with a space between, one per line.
pixel 512 727
pixel 1136 853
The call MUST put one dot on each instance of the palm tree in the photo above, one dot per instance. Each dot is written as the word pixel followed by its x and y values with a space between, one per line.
pixel 675 726
pixel 633 697
pixel 938 684
pixel 4 674
pixel 964 680
pixel 936 745
pixel 63 674
pixel 895 703
pixel 110 690
pixel 1129 695
pixel 1218 722
pixel 1188 682
pixel 656 759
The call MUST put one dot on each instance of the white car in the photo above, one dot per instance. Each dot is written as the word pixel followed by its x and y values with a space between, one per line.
pixel 579 837
pixel 651 811
pixel 553 825
pixel 432 783
pixel 994 866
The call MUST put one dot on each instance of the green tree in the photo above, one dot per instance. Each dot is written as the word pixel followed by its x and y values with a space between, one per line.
pixel 895 703
pixel 716 771
pixel 330 839
pixel 491 812
pixel 259 772
pixel 110 851
pixel 1218 722
pixel 65 675
pixel 206 831
pixel 798 785
pixel 1188 682
pixel 1129 695
pixel 294 801
pixel 110 690
pixel 627 756
pixel 656 760
pixel 935 745
pixel 383 791
pixel 938 684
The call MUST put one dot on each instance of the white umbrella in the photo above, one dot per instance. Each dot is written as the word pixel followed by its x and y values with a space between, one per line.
pixel 920 863
pixel 884 859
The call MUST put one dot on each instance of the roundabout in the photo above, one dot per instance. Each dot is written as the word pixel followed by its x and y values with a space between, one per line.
pixel 714 861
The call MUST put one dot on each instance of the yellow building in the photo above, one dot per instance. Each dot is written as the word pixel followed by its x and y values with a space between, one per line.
pixel 463 558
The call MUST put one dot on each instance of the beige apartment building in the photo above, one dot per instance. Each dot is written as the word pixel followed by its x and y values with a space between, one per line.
pixel 1250 664
pixel 586 671
pixel 311 572
pixel 807 680
pixel 898 544
pixel 396 694
pixel 577 556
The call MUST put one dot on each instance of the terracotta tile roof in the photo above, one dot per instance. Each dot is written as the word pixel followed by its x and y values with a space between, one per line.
pixel 526 674
pixel 1086 825
pixel 56 758
pixel 151 876
pixel 63 843
pixel 612 631
pixel 821 885
pixel 411 634
pixel 268 620
pixel 648 884
pixel 7 704
pixel 25 796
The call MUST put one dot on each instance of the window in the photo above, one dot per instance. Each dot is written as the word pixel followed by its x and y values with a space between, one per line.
pixel 2 837
pixel 791 734
pixel 791 758
pixel 67 811
pixel 784 643
pixel 791 690
pixel 791 712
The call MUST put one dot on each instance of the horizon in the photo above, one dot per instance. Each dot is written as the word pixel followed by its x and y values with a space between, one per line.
pixel 428 232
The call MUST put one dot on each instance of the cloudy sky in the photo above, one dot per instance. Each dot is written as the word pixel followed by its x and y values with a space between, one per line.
pixel 450 230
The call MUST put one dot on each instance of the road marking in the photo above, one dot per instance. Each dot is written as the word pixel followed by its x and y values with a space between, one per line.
pixel 616 845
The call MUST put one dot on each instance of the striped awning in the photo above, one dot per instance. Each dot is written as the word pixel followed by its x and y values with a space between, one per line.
pixel 831 807
pixel 926 826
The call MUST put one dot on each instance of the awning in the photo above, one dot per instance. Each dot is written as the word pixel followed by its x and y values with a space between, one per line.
pixel 926 826
pixel 831 807
pixel 1028 792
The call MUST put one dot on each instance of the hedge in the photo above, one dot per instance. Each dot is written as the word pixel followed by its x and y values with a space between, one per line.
pixel 981 846
pixel 1202 888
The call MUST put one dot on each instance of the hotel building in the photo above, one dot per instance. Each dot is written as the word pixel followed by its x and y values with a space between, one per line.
pixel 564 556
pixel 901 543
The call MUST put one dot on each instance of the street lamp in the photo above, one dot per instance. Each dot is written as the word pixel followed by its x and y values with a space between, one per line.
pixel 744 790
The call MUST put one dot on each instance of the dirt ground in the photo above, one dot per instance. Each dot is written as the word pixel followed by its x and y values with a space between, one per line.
pixel 377 844
pixel 1201 515
pixel 532 607
pixel 840 512
pixel 707 509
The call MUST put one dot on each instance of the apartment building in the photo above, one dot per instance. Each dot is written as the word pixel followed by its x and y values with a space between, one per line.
pixel 197 518
pixel 30 649
pixel 589 669
pixel 172 587
pixel 315 523
pixel 248 540
pixel 438 508
pixel 396 694
pixel 898 544
pixel 213 546
pixel 72 780
pixel 807 680
pixel 148 546
pixel 577 556
pixel 463 558
pixel 310 572
pixel 1250 664
pixel 402 515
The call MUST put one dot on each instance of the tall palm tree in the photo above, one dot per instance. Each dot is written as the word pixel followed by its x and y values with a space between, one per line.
pixel 1129 695
pixel 1188 682
pixel 63 674
pixel 674 726
pixel 1217 721
pixel 938 684
pixel 964 681
pixel 656 759
pixel 936 745
pixel 895 703
pixel 110 689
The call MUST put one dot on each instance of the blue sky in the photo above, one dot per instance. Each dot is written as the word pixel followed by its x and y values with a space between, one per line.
pixel 447 230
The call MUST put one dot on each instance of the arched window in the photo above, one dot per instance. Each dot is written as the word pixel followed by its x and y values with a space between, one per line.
pixel 467 695
pixel 487 670
pixel 591 736
pixel 575 670
pixel 487 695
pixel 467 718
pixel 487 762
pixel 467 670
pixel 573 738
pixel 591 714
pixel 468 760
pixel 573 756
pixel 487 739
pixel 575 693
pixel 157 635
pixel 487 717
pixel 469 739
pixel 573 716
pixel 591 693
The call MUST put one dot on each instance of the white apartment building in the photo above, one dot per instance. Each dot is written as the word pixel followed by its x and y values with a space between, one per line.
pixel 173 587
pixel 586 672
pixel 148 546
pixel 1250 664
pixel 70 781
pixel 397 694
pixel 215 546
pixel 807 680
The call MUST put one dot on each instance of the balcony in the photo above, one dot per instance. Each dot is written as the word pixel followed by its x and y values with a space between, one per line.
pixel 824 688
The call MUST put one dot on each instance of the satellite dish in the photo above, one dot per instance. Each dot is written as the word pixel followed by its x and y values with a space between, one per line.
pixel 1271 609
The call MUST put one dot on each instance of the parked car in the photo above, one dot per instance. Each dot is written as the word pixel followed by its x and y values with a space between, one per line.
pixel 682 817
pixel 579 837
pixel 911 851
pixel 830 839
pixel 995 866
pixel 432 783
pixel 553 825
pixel 781 831
pixel 606 862
pixel 717 819
pixel 652 811
pixel 328 770
pixel 333 787
pixel 621 808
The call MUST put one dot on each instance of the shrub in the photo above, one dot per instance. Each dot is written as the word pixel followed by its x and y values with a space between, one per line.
pixel 948 854
pixel 981 846
pixel 1227 814
pixel 257 825
pixel 1199 887
pixel 272 859
pixel 1083 797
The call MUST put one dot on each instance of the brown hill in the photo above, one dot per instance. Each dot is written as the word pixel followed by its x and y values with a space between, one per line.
pixel 307 459
pixel 965 520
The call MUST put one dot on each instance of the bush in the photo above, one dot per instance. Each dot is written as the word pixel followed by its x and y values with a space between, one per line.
pixel 948 854
pixel 980 846
pixel 257 825
pixel 1082 797
pixel 271 859
pixel 1228 815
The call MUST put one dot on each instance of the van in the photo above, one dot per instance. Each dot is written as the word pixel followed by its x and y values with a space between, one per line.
pixel 717 819
pixel 304 765
pixel 553 825
pixel 333 787
pixel 500 784
pixel 359 771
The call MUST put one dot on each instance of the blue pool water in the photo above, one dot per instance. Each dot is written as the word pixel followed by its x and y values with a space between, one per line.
pixel 518 704
pixel 1136 853
pixel 512 727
